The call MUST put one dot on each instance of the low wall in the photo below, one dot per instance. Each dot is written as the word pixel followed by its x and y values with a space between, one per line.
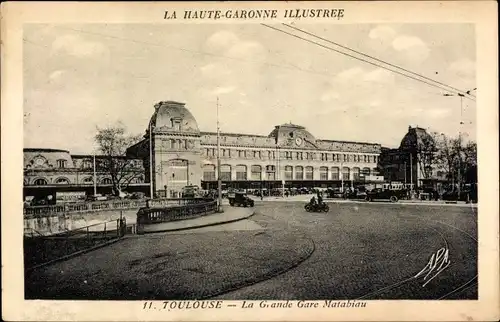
pixel 56 223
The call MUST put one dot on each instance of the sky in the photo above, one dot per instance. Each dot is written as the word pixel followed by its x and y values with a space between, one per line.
pixel 78 78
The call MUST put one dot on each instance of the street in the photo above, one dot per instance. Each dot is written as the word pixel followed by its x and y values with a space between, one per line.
pixel 373 251
pixel 355 251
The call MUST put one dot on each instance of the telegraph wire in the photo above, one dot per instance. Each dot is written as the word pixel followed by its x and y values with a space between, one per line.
pixel 376 59
pixel 361 59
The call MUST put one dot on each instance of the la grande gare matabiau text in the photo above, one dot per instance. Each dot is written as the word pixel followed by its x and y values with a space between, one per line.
pixel 219 304
pixel 255 14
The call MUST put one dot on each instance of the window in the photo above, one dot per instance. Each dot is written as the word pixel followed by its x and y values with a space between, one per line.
pixel 346 173
pixel 323 173
pixel 355 174
pixel 288 172
pixel 256 172
pixel 241 172
pixel 209 172
pixel 87 164
pixel 271 172
pixel 62 181
pixel 106 181
pixel 61 163
pixel 335 173
pixel 345 157
pixel 88 180
pixel 299 173
pixel 309 173
pixel 288 155
pixel 225 172
pixel 40 182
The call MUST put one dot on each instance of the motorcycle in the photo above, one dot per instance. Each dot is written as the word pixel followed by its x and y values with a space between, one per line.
pixel 323 207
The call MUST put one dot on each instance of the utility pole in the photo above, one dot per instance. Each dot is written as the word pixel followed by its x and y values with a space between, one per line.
pixel 411 172
pixel 219 183
pixel 459 174
pixel 342 176
pixel 150 161
pixel 95 178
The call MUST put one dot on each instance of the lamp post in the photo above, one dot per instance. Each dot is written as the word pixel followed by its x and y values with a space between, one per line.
pixel 150 160
pixel 95 178
pixel 459 176
pixel 219 183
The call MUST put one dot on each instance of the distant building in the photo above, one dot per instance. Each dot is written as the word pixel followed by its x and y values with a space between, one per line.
pixel 184 155
pixel 411 162
pixel 57 173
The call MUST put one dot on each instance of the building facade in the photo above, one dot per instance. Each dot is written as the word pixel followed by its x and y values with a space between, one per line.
pixel 61 175
pixel 183 155
pixel 411 163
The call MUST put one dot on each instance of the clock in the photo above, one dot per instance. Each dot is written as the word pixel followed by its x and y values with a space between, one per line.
pixel 298 141
pixel 39 161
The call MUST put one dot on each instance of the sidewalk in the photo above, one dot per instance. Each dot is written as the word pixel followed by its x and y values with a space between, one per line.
pixel 307 198
pixel 230 214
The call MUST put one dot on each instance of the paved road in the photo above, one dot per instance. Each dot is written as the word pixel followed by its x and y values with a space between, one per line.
pixel 374 251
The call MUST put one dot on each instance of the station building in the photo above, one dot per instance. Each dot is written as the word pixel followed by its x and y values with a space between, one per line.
pixel 183 155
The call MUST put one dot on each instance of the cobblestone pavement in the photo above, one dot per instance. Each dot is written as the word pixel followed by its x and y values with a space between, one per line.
pixel 373 251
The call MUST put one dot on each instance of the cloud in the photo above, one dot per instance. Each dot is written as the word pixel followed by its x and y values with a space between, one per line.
pixel 379 75
pixel 463 67
pixel 221 39
pixel 412 46
pixel 55 75
pixel 77 46
pixel 383 33
pixel 350 73
pixel 223 90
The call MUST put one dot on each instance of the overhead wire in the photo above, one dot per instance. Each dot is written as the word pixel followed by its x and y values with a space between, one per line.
pixel 376 59
pixel 363 60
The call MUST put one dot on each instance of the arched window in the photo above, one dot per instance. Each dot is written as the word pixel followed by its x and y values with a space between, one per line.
pixel 225 172
pixel 62 181
pixel 241 172
pixel 271 172
pixel 288 172
pixel 256 172
pixel 209 172
pixel 309 173
pixel 106 181
pixel 346 173
pixel 40 182
pixel 88 180
pixel 366 172
pixel 299 173
pixel 323 173
pixel 355 174
pixel 335 173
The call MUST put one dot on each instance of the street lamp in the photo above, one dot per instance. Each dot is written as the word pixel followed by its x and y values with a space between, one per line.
pixel 459 179
pixel 219 183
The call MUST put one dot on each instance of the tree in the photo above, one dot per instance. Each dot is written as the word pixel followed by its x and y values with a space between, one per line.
pixel 113 143
pixel 426 152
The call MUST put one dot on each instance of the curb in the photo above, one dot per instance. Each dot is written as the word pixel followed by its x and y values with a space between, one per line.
pixel 200 226
pixel 66 257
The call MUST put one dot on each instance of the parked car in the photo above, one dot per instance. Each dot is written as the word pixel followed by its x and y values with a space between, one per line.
pixel 240 199
pixel 97 197
pixel 380 193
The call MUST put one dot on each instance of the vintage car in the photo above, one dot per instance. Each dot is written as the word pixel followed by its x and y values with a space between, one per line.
pixel 379 193
pixel 239 199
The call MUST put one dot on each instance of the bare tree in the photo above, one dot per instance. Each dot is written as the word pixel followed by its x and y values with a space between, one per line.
pixel 113 143
pixel 426 150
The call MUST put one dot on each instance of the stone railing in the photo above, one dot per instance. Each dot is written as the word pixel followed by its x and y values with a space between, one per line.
pixel 158 215
pixel 43 211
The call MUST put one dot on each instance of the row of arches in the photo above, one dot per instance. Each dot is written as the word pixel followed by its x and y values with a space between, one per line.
pixel 268 172
pixel 41 181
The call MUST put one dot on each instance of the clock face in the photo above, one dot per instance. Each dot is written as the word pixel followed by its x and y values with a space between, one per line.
pixel 298 141
pixel 39 161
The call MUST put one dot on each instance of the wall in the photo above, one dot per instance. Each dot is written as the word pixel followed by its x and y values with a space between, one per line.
pixel 46 225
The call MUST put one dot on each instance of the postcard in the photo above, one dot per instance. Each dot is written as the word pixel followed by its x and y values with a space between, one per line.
pixel 197 161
